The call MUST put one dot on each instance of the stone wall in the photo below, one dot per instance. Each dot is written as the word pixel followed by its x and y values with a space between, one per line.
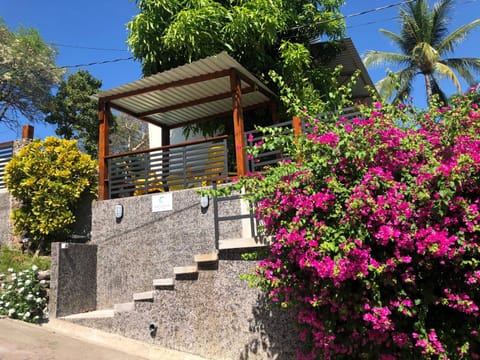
pixel 217 316
pixel 144 245
pixel 73 280
pixel 5 231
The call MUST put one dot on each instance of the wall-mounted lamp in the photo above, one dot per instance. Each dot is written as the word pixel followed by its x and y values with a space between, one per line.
pixel 118 212
pixel 152 328
pixel 204 201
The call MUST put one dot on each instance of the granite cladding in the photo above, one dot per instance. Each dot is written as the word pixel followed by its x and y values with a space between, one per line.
pixel 5 230
pixel 217 316
pixel 73 279
pixel 144 245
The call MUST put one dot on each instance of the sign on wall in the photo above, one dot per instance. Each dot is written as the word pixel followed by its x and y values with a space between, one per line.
pixel 162 202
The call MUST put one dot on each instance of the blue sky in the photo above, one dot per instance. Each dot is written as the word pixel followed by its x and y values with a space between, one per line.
pixel 76 25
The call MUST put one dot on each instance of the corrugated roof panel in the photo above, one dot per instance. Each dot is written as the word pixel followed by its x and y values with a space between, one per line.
pixel 212 64
pixel 138 100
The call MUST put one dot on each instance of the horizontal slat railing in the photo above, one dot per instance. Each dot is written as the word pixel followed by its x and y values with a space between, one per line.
pixel 168 168
pixel 6 153
pixel 272 157
pixel 265 158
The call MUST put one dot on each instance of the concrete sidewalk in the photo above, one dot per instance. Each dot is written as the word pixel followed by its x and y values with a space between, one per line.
pixel 60 340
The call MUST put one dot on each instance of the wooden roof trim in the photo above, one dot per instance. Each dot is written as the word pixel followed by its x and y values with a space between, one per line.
pixel 254 85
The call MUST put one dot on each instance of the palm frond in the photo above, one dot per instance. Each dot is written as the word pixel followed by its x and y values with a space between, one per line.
pixel 418 25
pixel 464 67
pixel 444 71
pixel 456 37
pixel 397 39
pixel 440 20
pixel 397 83
pixel 375 58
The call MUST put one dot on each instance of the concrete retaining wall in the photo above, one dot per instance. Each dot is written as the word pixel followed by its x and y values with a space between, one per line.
pixel 73 280
pixel 5 230
pixel 144 245
pixel 217 316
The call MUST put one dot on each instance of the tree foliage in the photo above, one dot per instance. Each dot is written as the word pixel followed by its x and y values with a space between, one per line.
pixel 374 226
pixel 130 135
pixel 74 112
pixel 425 44
pixel 48 178
pixel 27 75
pixel 262 35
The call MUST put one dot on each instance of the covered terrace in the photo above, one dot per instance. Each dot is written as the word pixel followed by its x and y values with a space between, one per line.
pixel 216 87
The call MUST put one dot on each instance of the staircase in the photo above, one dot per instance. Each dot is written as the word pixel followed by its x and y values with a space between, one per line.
pixel 203 309
pixel 203 262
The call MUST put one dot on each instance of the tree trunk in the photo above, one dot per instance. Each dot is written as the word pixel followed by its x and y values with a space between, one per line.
pixel 428 86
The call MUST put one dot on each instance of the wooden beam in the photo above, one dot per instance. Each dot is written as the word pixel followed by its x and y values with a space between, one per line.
pixel 239 133
pixel 123 110
pixel 186 104
pixel 159 87
pixel 274 111
pixel 256 86
pixel 219 115
pixel 103 145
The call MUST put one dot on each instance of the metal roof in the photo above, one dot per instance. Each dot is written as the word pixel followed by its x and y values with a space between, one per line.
pixel 350 60
pixel 188 93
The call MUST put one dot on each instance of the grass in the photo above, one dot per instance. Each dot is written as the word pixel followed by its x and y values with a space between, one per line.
pixel 11 257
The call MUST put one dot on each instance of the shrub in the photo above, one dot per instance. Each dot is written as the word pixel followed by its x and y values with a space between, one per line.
pixel 22 295
pixel 48 177
pixel 375 233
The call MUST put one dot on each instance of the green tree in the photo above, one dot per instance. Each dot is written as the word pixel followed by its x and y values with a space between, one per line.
pixel 130 135
pixel 262 35
pixel 425 42
pixel 48 178
pixel 27 75
pixel 74 111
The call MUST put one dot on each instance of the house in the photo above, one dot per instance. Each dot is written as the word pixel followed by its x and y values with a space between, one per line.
pixel 209 89
pixel 165 267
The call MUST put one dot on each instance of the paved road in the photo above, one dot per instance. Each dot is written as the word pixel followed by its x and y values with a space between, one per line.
pixel 60 340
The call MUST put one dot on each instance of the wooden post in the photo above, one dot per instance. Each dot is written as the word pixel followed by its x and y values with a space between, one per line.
pixel 274 111
pixel 239 133
pixel 27 132
pixel 297 126
pixel 103 145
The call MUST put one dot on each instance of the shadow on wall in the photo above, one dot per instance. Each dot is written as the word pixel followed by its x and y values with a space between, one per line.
pixel 275 332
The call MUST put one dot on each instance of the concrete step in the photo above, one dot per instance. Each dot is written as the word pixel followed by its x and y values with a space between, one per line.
pixel 97 314
pixel 202 258
pixel 125 307
pixel 181 270
pixel 242 243
pixel 167 283
pixel 207 261
pixel 186 272
pixel 143 296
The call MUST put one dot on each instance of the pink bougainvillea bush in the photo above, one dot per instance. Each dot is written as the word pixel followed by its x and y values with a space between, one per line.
pixel 375 226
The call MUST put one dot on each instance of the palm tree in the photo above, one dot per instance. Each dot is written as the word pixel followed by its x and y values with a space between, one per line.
pixel 424 42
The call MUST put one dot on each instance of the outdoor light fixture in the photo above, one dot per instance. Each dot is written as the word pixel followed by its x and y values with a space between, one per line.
pixel 152 328
pixel 204 201
pixel 118 212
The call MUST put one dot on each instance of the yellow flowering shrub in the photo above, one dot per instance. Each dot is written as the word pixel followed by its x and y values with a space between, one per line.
pixel 48 177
